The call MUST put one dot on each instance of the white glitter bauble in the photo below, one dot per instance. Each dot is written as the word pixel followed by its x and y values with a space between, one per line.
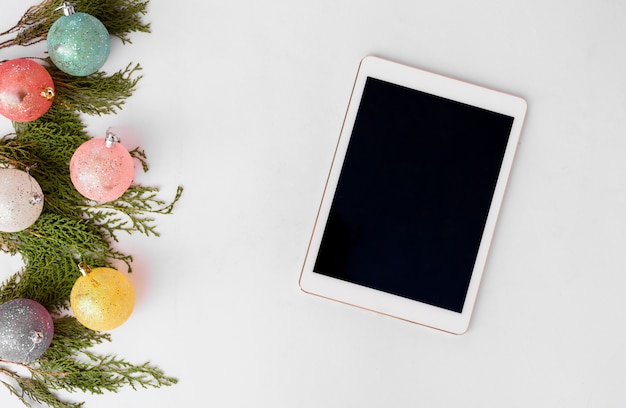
pixel 21 200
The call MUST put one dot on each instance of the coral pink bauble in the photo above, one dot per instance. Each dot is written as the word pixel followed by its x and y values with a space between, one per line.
pixel 26 90
pixel 101 171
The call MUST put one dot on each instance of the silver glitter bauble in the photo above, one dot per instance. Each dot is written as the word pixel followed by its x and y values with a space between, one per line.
pixel 26 330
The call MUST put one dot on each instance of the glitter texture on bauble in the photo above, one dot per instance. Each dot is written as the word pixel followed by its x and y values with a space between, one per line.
pixel 26 330
pixel 21 200
pixel 102 169
pixel 78 43
pixel 26 90
pixel 102 298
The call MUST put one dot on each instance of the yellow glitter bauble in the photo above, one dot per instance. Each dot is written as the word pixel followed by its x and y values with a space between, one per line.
pixel 102 299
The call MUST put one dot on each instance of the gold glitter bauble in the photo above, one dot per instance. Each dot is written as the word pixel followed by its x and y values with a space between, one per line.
pixel 102 299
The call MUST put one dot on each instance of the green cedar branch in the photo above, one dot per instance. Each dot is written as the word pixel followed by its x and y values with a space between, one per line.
pixel 71 228
pixel 96 94
pixel 69 365
pixel 29 390
pixel 50 142
pixel 51 249
pixel 129 213
pixel 120 17
pixel 14 154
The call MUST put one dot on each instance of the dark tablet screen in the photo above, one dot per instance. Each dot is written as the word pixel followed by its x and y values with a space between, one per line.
pixel 413 195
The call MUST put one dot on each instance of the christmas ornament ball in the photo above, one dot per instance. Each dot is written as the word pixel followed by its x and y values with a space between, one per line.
pixel 26 330
pixel 21 200
pixel 101 169
pixel 78 43
pixel 102 299
pixel 26 90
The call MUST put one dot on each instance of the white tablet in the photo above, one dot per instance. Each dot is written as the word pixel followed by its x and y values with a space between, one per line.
pixel 413 194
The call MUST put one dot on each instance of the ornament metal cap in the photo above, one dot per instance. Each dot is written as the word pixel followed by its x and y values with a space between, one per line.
pixel 84 269
pixel 35 196
pixel 67 7
pixel 111 139
pixel 47 93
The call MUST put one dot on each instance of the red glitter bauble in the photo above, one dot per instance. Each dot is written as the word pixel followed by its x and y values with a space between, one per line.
pixel 26 90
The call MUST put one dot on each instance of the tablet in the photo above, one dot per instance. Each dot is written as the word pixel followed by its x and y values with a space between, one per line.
pixel 413 194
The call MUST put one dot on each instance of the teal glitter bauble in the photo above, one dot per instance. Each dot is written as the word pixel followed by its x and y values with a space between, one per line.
pixel 78 44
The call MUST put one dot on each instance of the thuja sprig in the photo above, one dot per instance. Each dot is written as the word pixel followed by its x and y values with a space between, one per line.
pixel 96 94
pixel 70 365
pixel 51 249
pixel 55 136
pixel 132 212
pixel 71 228
pixel 120 17
pixel 28 390
pixel 14 154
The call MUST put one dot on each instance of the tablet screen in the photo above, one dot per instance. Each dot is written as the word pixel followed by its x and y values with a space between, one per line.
pixel 413 195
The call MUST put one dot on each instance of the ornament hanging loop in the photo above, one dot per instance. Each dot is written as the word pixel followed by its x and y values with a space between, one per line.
pixel 110 139
pixel 67 7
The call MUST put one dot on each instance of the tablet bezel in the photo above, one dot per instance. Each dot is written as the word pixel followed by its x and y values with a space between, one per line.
pixel 382 302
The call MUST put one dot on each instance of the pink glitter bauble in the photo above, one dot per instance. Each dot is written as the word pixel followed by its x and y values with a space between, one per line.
pixel 101 173
pixel 26 90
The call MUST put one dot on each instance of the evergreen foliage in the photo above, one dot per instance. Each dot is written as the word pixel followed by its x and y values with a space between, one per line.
pixel 71 228
pixel 120 17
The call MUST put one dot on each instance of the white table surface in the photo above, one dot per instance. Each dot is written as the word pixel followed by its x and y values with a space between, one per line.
pixel 241 103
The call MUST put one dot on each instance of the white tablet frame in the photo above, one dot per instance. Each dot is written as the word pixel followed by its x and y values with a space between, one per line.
pixel 385 303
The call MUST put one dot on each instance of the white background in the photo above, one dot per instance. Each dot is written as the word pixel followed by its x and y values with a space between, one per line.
pixel 241 103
